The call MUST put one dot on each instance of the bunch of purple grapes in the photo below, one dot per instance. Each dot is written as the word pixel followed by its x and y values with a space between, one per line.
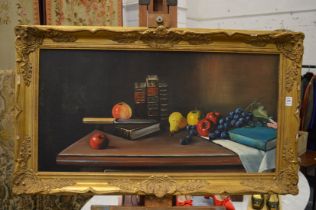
pixel 191 129
pixel 235 119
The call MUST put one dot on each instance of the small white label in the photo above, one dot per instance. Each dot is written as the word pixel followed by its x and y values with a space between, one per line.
pixel 288 101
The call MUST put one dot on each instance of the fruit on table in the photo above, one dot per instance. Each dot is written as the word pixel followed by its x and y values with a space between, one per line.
pixel 193 117
pixel 224 135
pixel 235 119
pixel 191 129
pixel 176 122
pixel 213 117
pixel 212 136
pixel 203 127
pixel 121 110
pixel 186 140
pixel 98 141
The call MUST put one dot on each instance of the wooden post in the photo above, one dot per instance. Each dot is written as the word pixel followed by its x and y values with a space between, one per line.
pixel 153 13
pixel 153 201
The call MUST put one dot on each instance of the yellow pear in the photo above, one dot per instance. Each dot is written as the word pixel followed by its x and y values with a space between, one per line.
pixel 193 117
pixel 177 122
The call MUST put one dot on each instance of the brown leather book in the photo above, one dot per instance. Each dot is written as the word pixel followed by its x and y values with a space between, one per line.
pixel 136 131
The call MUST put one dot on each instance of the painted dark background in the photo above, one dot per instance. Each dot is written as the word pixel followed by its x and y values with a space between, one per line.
pixel 81 83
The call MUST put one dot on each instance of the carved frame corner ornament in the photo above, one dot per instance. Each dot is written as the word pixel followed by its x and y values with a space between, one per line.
pixel 293 49
pixel 29 39
pixel 160 186
pixel 25 180
pixel 285 180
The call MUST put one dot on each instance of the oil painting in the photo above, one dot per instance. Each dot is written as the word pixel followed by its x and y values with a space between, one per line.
pixel 90 83
pixel 122 110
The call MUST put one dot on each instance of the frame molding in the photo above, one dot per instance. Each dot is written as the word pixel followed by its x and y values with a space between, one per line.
pixel 289 45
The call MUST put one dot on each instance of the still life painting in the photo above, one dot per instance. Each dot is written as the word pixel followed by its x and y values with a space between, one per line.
pixel 152 109
pixel 156 111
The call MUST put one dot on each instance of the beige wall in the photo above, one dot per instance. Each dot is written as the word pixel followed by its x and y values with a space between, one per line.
pixel 295 15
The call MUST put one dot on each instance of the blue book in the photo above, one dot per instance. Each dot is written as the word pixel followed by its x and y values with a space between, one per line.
pixel 262 138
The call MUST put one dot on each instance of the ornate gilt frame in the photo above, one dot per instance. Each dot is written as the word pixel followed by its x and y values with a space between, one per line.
pixel 289 45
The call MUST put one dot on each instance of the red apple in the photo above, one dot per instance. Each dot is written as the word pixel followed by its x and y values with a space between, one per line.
pixel 212 116
pixel 98 141
pixel 217 114
pixel 203 127
pixel 121 111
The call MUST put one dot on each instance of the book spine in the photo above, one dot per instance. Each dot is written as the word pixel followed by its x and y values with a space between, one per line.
pixel 163 102
pixel 152 92
pixel 255 143
pixel 123 132
pixel 140 99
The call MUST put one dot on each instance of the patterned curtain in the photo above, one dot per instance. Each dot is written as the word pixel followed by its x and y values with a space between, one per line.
pixel 59 12
pixel 12 13
pixel 84 12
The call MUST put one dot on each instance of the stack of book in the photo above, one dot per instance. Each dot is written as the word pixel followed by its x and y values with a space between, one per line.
pixel 140 99
pixel 163 101
pixel 136 131
pixel 152 97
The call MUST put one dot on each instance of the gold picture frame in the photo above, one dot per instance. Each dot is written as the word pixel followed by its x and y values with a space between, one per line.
pixel 286 45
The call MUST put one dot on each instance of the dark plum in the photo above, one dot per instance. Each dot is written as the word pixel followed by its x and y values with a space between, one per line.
pixel 224 135
pixel 192 132
pixel 220 127
pixel 211 136
pixel 226 126
pixel 186 140
pixel 221 121
pixel 217 133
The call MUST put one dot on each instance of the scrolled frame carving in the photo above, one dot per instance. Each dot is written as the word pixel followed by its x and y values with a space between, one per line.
pixel 28 40
pixel 287 44
pixel 160 186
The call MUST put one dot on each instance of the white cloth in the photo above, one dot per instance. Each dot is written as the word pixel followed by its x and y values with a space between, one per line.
pixel 253 160
pixel 110 200
pixel 201 201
